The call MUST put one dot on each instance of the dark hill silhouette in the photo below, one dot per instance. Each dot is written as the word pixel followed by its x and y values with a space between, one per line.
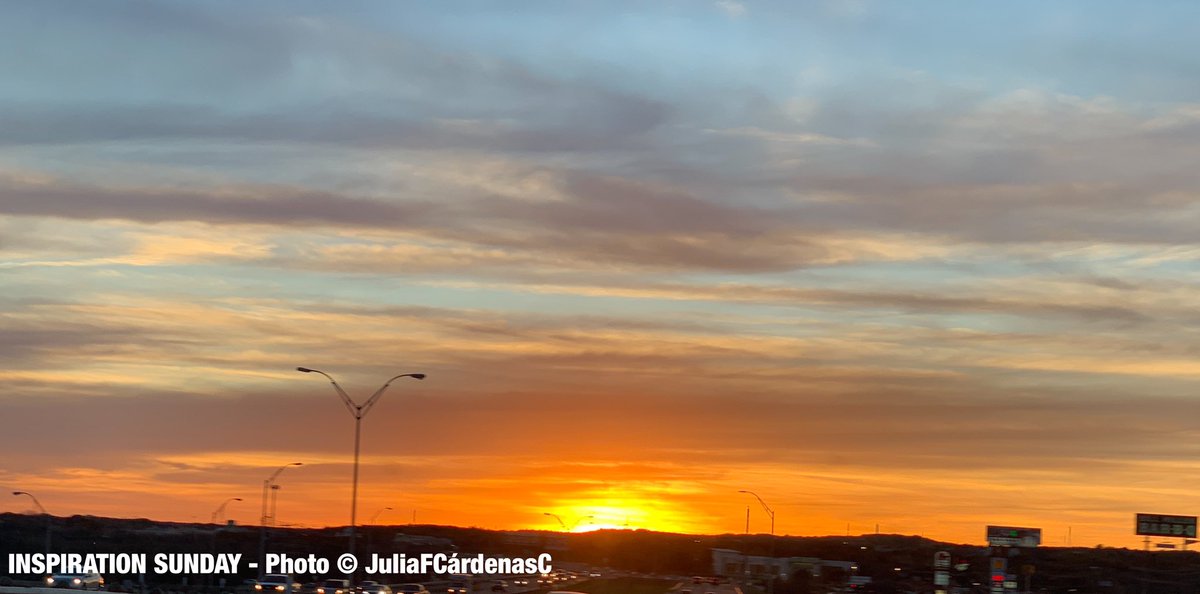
pixel 1057 569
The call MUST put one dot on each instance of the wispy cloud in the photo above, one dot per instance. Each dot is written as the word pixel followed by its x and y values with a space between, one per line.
pixel 732 8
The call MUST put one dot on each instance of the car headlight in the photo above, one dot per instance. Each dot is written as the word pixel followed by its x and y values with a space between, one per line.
pixel 77 581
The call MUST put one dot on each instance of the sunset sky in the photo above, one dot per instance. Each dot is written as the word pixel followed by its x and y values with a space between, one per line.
pixel 922 265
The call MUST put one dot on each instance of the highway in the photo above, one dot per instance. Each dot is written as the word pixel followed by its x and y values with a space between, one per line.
pixel 690 588
pixel 479 586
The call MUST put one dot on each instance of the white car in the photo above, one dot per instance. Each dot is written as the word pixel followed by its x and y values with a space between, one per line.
pixel 274 583
pixel 77 581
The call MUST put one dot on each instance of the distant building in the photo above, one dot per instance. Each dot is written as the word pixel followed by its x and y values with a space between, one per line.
pixel 547 541
pixel 417 540
pixel 732 563
pixel 523 539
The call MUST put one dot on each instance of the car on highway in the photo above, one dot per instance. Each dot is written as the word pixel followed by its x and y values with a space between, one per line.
pixel 459 586
pixel 335 587
pixel 370 587
pixel 76 581
pixel 277 582
pixel 410 589
pixel 500 586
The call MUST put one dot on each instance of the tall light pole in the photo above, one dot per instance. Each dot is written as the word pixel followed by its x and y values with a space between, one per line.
pixel 576 524
pixel 220 511
pixel 376 516
pixel 44 513
pixel 560 522
pixel 771 513
pixel 564 524
pixel 765 507
pixel 358 411
pixel 268 483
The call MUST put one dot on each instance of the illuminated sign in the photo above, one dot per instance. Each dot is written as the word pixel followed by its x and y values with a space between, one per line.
pixel 1008 536
pixel 1160 525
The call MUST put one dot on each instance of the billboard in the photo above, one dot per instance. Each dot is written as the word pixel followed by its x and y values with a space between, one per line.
pixel 1008 536
pixel 1163 525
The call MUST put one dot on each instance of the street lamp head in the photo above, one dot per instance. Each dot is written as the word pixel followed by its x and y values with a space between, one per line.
pixel 417 375
pixel 296 464
pixel 306 370
pixel 237 498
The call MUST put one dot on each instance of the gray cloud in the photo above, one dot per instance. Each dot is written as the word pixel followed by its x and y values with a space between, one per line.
pixel 263 205
pixel 965 426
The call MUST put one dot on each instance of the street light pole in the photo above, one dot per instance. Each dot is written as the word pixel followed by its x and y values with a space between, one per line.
pixel 769 511
pixel 576 524
pixel 268 483
pixel 358 411
pixel 220 511
pixel 560 522
pixel 44 513
pixel 376 516
pixel 564 524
